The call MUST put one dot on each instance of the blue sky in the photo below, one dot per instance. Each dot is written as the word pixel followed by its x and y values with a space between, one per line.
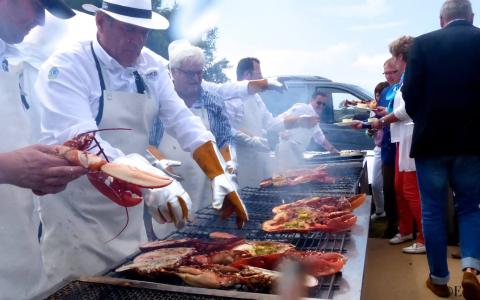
pixel 344 40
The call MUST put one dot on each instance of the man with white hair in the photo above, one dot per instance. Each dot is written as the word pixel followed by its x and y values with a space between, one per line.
pixel 110 82
pixel 186 65
pixel 441 81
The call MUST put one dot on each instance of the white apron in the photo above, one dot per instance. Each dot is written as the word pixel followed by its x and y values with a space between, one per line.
pixel 253 166
pixel 289 154
pixel 195 182
pixel 79 221
pixel 21 271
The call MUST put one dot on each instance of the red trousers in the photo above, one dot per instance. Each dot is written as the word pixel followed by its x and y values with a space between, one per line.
pixel 407 195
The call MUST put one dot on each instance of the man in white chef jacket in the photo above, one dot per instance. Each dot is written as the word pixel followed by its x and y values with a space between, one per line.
pixel 293 142
pixel 110 82
pixel 23 168
pixel 251 120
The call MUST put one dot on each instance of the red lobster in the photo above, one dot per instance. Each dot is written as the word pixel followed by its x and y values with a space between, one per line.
pixel 120 183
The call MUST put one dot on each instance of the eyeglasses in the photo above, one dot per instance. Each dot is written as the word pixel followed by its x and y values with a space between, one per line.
pixel 390 72
pixel 191 74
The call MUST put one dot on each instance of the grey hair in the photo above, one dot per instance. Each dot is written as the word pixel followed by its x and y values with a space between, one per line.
pixel 190 53
pixel 456 9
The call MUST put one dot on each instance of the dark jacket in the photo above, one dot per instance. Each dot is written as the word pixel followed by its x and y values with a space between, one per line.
pixel 441 90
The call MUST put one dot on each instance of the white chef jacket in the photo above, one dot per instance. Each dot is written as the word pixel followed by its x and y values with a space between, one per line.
pixel 235 109
pixel 227 90
pixel 68 86
pixel 303 109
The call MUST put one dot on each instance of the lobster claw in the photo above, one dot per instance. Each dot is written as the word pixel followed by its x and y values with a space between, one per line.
pixel 122 183
pixel 135 176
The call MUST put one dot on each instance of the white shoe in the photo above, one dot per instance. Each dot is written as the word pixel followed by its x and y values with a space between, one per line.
pixel 398 238
pixel 376 216
pixel 416 248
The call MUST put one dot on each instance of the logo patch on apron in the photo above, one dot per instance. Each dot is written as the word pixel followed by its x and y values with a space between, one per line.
pixel 151 75
pixel 53 73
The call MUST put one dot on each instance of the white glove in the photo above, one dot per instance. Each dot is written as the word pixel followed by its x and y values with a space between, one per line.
pixel 258 143
pixel 275 84
pixel 231 167
pixel 222 185
pixel 166 165
pixel 167 204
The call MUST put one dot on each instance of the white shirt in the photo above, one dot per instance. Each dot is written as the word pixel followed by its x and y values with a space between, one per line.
pixel 304 109
pixel 68 87
pixel 236 113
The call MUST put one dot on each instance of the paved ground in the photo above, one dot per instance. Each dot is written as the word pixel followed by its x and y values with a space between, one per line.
pixel 393 275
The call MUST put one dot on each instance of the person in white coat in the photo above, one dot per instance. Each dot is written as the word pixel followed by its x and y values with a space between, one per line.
pixel 110 82
pixel 187 63
pixel 293 142
pixel 23 167
pixel 251 120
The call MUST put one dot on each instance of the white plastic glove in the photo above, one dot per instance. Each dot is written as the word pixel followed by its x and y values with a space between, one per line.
pixel 166 205
pixel 258 143
pixel 166 165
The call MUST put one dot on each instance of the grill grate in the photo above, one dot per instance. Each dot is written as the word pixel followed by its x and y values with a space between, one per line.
pixel 79 290
pixel 346 174
pixel 259 202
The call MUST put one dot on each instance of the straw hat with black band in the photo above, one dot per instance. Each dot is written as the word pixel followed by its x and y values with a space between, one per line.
pixel 135 12
pixel 58 8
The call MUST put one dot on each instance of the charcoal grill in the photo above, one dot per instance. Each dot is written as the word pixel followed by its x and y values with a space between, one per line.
pixel 259 202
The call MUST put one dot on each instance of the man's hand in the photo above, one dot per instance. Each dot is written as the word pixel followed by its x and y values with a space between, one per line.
pixel 380 111
pixel 260 85
pixel 260 144
pixel 38 167
pixel 274 84
pixel 170 204
pixel 166 165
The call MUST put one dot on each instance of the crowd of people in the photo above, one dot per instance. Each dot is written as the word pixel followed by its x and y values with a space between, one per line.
pixel 429 79
pixel 209 140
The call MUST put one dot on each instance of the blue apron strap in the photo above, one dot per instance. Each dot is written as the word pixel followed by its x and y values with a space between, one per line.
pixel 98 119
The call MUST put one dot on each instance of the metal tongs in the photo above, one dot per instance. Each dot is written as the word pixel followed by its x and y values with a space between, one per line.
pixel 159 161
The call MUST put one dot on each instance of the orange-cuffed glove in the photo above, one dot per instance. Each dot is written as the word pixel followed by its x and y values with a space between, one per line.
pixel 260 85
pixel 225 196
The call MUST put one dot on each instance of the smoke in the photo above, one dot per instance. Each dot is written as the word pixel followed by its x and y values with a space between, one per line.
pixel 58 34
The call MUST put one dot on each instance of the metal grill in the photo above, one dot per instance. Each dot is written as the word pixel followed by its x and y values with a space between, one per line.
pixel 79 290
pixel 259 202
pixel 326 157
pixel 347 175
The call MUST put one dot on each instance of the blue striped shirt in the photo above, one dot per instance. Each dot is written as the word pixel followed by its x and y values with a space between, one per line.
pixel 217 119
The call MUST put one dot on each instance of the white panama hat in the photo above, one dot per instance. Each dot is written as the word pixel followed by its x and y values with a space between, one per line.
pixel 135 12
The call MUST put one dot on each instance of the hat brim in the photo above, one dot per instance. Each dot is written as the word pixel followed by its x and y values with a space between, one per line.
pixel 157 22
pixel 58 8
